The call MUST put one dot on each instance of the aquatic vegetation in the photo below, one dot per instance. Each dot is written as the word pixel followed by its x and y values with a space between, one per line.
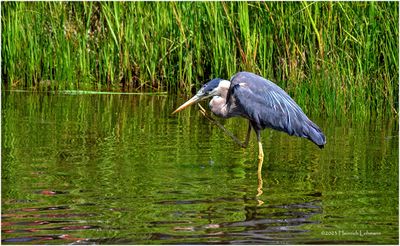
pixel 335 58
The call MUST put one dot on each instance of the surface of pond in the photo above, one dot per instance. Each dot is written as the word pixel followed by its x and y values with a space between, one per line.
pixel 119 169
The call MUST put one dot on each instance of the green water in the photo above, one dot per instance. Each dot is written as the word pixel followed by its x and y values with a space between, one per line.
pixel 119 169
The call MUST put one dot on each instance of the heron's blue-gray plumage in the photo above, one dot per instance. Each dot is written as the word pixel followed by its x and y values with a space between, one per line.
pixel 266 105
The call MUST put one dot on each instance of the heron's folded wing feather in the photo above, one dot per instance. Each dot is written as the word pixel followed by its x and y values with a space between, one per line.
pixel 267 105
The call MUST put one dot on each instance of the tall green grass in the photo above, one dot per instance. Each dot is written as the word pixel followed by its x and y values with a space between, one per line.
pixel 332 57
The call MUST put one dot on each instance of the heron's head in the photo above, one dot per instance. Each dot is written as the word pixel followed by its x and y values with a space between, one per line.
pixel 210 89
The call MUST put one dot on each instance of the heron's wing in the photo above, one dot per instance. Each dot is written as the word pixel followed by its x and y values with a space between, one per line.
pixel 266 105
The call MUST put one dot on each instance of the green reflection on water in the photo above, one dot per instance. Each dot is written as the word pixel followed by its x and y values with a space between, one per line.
pixel 121 169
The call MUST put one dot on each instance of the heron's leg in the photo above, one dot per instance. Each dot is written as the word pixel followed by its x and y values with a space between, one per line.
pixel 260 150
pixel 216 122
pixel 260 186
pixel 260 162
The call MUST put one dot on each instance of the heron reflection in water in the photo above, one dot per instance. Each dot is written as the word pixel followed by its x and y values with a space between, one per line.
pixel 260 101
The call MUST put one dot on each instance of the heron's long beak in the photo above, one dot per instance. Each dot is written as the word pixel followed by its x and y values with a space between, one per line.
pixel 191 101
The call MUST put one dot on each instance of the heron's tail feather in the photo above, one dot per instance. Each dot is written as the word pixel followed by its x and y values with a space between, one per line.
pixel 312 132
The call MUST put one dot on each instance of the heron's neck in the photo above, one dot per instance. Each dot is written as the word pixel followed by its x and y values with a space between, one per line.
pixel 218 106
pixel 218 103
pixel 224 86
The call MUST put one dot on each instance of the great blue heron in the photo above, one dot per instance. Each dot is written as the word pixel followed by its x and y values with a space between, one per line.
pixel 260 101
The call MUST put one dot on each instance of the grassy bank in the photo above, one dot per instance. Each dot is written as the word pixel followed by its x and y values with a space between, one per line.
pixel 332 57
